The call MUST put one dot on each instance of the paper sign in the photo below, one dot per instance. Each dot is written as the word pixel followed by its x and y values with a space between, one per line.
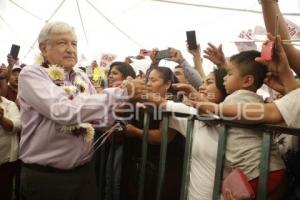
pixel 294 29
pixel 247 44
pixel 106 60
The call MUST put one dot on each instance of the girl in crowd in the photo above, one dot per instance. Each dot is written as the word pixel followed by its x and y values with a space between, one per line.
pixel 118 72
pixel 160 82
pixel 205 137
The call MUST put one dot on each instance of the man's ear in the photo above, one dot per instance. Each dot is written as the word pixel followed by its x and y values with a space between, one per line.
pixel 43 48
pixel 248 81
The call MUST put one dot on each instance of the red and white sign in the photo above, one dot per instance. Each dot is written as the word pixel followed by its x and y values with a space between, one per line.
pixel 107 59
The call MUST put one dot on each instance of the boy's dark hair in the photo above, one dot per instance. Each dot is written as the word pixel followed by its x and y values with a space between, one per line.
pixel 123 67
pixel 246 64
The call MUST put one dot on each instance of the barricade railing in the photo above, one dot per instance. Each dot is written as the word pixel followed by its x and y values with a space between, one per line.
pixel 268 131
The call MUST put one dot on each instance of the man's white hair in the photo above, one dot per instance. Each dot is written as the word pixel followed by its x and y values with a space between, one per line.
pixel 54 28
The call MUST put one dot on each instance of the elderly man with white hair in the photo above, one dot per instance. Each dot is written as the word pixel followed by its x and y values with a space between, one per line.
pixel 58 104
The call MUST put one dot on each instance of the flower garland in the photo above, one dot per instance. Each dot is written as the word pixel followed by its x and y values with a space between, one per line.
pixel 79 86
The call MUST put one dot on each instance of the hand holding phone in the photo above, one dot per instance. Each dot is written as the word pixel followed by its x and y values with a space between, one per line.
pixel 14 51
pixel 191 39
pixel 163 54
pixel 267 51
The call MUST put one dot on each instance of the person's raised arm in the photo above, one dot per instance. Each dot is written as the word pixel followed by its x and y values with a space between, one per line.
pixel 11 62
pixel 270 9
pixel 191 74
pixel 51 101
pixel 196 53
pixel 215 55
pixel 279 71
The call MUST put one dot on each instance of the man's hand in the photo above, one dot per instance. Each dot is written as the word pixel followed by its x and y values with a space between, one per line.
pixel 136 88
pixel 176 56
pixel 215 55
pixel 186 88
pixel 11 61
pixel 128 59
pixel 198 97
pixel 280 76
pixel 274 82
pixel 194 52
pixel 279 63
pixel 153 56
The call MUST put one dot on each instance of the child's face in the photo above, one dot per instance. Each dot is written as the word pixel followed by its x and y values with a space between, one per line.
pixel 233 81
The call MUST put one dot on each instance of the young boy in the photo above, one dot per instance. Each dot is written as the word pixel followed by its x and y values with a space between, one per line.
pixel 244 77
pixel 285 109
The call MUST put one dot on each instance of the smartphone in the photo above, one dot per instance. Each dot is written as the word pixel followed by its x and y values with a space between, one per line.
pixel 267 51
pixel 191 39
pixel 14 51
pixel 163 54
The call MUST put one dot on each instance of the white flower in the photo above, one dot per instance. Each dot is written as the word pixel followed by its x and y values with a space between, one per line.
pixel 85 129
pixel 79 82
pixel 90 132
pixel 70 89
pixel 56 73
pixel 70 128
pixel 39 59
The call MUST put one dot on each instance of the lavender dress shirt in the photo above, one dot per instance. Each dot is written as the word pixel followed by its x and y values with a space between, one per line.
pixel 46 108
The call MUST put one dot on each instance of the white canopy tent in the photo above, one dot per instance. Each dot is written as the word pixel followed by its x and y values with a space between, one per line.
pixel 122 27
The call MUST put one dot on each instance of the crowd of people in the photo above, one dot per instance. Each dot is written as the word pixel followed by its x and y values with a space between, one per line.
pixel 49 112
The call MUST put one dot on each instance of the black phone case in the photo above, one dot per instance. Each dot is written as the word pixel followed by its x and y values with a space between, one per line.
pixel 14 51
pixel 191 39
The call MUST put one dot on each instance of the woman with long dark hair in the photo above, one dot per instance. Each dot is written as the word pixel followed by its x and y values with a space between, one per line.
pixel 160 82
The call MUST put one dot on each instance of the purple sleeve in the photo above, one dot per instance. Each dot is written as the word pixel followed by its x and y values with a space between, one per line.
pixel 38 92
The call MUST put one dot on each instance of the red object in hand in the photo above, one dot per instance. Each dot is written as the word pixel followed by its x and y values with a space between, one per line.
pixel 238 184
pixel 267 51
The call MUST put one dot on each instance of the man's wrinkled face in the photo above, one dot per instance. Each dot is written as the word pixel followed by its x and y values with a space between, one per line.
pixel 61 49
